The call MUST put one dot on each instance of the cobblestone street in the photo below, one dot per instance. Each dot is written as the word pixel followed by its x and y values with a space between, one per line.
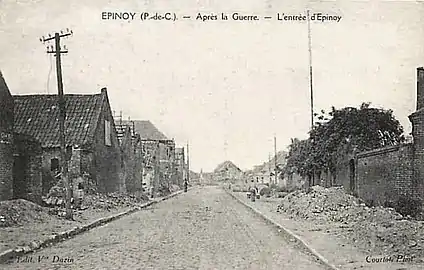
pixel 202 229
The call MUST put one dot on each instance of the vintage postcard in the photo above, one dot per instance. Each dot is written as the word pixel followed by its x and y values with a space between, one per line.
pixel 240 134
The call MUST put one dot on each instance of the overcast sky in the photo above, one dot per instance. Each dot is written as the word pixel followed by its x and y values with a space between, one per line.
pixel 225 86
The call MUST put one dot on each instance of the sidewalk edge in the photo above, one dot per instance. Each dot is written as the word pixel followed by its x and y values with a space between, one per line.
pixel 298 238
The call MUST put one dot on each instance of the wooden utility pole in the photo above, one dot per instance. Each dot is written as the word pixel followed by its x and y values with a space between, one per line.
pixel 57 50
pixel 311 82
pixel 275 160
pixel 269 168
pixel 188 165
pixel 310 70
pixel 142 158
pixel 157 170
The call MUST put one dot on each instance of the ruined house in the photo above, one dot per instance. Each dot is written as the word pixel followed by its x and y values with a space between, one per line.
pixel 131 157
pixel 6 141
pixel 20 155
pixel 91 142
pixel 158 156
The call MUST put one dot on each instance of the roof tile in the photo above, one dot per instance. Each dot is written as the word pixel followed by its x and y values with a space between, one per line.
pixel 38 116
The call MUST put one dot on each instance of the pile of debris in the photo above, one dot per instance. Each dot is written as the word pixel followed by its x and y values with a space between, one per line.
pixel 374 229
pixel 20 211
pixel 111 201
pixel 174 188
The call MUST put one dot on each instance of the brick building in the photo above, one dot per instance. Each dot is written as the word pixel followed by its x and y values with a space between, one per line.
pixel 89 127
pixel 6 141
pixel 20 155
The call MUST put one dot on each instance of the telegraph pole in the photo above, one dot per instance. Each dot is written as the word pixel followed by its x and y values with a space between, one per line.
pixel 188 165
pixel 312 179
pixel 269 168
pixel 310 70
pixel 275 159
pixel 57 50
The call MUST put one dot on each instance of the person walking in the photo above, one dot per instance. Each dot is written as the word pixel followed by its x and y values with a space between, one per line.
pixel 152 191
pixel 253 191
pixel 185 185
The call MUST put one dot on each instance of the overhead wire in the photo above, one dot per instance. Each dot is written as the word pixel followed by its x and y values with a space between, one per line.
pixel 49 74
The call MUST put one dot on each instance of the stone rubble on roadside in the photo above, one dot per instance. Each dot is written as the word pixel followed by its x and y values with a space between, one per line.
pixel 374 229
pixel 111 201
pixel 19 212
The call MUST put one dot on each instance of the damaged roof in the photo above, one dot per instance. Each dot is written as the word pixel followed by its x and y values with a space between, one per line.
pixel 146 129
pixel 38 116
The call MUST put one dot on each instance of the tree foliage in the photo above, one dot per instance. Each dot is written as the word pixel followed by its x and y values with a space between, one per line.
pixel 342 132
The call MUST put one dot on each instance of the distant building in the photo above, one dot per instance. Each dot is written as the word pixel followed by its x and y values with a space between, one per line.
pixel 91 140
pixel 227 171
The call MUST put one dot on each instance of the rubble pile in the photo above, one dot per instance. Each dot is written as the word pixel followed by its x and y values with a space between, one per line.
pixel 20 211
pixel 174 188
pixel 111 201
pixel 374 229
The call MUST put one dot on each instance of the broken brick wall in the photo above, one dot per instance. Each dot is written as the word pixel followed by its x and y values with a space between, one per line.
pixel 131 163
pixel 27 173
pixel 6 166
pixel 6 141
pixel 106 159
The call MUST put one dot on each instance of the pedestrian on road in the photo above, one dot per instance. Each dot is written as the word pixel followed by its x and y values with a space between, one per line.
pixel 152 191
pixel 185 185
pixel 253 191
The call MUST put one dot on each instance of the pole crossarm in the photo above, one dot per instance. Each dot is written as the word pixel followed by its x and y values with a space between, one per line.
pixel 61 35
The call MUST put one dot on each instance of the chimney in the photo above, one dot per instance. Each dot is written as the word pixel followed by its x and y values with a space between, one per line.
pixel 104 90
pixel 420 88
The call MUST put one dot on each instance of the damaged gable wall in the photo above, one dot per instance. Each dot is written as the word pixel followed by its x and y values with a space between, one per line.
pixel 6 141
